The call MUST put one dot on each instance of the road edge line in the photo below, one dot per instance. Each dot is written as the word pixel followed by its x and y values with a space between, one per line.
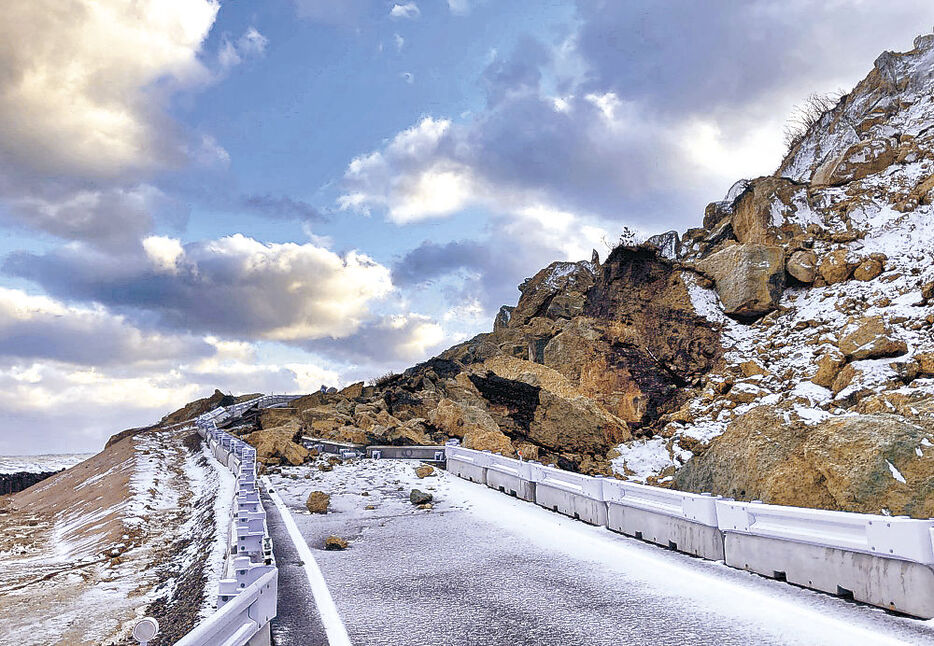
pixel 333 624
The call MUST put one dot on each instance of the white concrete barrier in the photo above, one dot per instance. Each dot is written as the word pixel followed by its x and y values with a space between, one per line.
pixel 682 521
pixel 880 560
pixel 467 463
pixel 511 476
pixel 246 595
pixel 571 494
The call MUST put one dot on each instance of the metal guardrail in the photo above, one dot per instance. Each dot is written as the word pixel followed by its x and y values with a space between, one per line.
pixel 880 560
pixel 246 595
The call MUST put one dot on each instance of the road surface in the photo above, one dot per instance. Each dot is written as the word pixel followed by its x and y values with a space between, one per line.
pixel 483 569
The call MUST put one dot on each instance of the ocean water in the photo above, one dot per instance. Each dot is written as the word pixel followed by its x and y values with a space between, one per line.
pixel 39 463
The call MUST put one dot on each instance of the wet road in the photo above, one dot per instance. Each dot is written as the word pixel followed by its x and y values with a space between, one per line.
pixel 485 569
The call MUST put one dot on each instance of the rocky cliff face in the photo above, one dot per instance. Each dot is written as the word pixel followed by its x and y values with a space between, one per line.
pixel 783 351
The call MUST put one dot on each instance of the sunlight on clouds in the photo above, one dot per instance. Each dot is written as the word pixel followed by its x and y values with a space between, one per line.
pixel 86 109
pixel 434 192
pixel 164 252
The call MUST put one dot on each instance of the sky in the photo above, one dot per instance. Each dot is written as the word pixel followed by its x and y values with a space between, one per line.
pixel 274 196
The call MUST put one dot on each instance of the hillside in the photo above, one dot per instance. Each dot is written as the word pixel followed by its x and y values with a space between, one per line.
pixel 781 351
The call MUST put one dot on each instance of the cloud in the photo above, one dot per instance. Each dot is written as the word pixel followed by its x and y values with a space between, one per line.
pixel 459 7
pixel 400 41
pixel 409 11
pixel 282 208
pixel 250 44
pixel 71 106
pixel 49 403
pixel 395 338
pixel 640 116
pixel 235 286
pixel 431 260
pixel 408 77
pixel 37 327
pixel 111 218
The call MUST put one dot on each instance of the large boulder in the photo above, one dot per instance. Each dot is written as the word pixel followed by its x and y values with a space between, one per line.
pixel 456 419
pixel 766 206
pixel 571 280
pixel 856 162
pixel 835 267
pixel 276 445
pixel 870 338
pixel 749 278
pixel 667 244
pixel 859 463
pixel 802 265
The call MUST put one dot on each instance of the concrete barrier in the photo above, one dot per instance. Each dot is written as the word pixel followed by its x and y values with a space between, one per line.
pixel 879 560
pixel 330 446
pixel 246 595
pixel 682 521
pixel 466 463
pixel 571 494
pixel 424 453
pixel 511 476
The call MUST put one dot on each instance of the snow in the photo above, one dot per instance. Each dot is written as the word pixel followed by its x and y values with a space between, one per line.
pixel 486 568
pixel 643 458
pixel 40 463
pixel 895 472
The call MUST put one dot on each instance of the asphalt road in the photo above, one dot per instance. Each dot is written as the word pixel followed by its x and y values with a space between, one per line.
pixel 484 569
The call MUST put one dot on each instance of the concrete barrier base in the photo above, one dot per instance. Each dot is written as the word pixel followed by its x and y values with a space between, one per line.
pixel 667 531
pixel 571 504
pixel 262 638
pixel 902 586
pixel 467 471
pixel 510 484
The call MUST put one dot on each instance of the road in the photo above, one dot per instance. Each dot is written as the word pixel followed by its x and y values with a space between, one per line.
pixel 483 569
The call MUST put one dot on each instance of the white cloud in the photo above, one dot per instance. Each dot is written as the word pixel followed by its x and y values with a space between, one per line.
pixel 408 10
pixel 164 253
pixel 38 327
pixel 400 42
pixel 459 7
pixel 235 287
pixel 78 78
pixel 251 43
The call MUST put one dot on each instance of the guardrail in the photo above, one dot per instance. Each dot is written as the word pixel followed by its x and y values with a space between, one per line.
pixel 246 595
pixel 879 560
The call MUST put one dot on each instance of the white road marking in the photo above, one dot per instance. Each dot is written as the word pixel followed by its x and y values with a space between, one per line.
pixel 333 624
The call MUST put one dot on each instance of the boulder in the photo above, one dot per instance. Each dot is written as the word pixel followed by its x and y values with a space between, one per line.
pixel 424 471
pixel 353 390
pixel 802 265
pixel 275 445
pixel 418 497
pixel 335 543
pixel 762 209
pixel 870 338
pixel 502 317
pixel 868 269
pixel 484 440
pixel 318 502
pixel 853 463
pixel 856 162
pixel 834 267
pixel 828 367
pixel 539 291
pixel 667 244
pixel 456 419
pixel 749 278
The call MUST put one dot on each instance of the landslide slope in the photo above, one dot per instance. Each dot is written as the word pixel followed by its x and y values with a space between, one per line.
pixel 783 351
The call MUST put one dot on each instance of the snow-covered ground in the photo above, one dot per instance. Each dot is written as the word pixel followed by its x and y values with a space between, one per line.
pixel 482 568
pixel 41 463
pixel 126 533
